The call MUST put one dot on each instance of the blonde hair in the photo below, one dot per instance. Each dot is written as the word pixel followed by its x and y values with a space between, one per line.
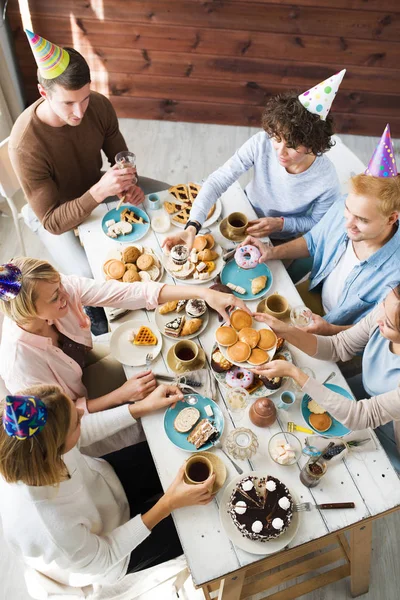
pixel 384 189
pixel 37 461
pixel 23 308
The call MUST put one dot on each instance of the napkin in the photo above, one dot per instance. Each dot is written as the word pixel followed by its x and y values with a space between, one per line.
pixel 208 385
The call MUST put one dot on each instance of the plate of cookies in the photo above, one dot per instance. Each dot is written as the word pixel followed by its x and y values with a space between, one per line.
pixel 194 423
pixel 183 319
pixel 132 341
pixel 245 342
pixel 125 224
pixel 179 202
pixel 232 376
pixel 132 264
pixel 200 265
pixel 319 419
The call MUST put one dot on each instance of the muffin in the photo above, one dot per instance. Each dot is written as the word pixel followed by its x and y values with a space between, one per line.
pixel 179 254
pixel 219 363
pixel 195 307
pixel 271 384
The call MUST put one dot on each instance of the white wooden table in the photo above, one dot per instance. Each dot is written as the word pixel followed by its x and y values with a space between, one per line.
pixel 366 478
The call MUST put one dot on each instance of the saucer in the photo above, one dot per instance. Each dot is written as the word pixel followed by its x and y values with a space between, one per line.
pixel 198 364
pixel 223 227
pixel 261 308
pixel 219 469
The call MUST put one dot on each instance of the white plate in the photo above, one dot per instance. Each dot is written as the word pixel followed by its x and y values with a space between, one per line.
pixel 253 546
pixel 214 217
pixel 246 365
pixel 125 351
pixel 162 320
pixel 116 253
pixel 219 263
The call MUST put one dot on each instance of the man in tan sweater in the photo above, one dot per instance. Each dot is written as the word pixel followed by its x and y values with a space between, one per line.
pixel 55 148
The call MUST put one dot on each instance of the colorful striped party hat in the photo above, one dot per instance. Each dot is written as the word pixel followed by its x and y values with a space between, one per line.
pixel 10 282
pixel 50 59
pixel 318 99
pixel 24 416
pixel 383 162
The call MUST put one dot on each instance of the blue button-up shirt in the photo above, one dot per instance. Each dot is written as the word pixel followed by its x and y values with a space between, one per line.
pixel 366 284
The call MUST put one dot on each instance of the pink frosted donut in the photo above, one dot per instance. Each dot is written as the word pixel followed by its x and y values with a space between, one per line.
pixel 247 257
pixel 239 377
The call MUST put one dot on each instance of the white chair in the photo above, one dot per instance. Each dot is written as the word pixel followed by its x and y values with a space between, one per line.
pixel 347 164
pixel 9 186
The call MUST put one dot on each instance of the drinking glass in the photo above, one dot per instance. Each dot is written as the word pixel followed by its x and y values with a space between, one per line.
pixel 237 400
pixel 126 158
pixel 301 316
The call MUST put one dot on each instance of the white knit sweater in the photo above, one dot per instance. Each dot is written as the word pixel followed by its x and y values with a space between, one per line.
pixel 78 533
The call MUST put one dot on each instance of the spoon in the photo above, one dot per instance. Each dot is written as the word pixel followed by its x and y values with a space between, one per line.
pixel 218 444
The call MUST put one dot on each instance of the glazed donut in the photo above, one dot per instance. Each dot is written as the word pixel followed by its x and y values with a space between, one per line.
pixel 239 377
pixel 247 257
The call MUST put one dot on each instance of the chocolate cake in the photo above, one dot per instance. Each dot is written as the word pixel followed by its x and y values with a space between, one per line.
pixel 261 508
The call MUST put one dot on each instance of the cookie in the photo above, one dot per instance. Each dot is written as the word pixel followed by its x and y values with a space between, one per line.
pixel 131 276
pixel 130 254
pixel 144 262
pixel 116 269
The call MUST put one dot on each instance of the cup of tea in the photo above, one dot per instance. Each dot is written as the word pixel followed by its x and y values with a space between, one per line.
pixel 276 306
pixel 197 469
pixel 237 224
pixel 185 354
pixel 286 400
pixel 154 202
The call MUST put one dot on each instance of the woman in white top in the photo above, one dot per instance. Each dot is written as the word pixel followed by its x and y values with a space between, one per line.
pixel 68 514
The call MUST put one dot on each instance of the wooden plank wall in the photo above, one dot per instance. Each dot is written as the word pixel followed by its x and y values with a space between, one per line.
pixel 217 61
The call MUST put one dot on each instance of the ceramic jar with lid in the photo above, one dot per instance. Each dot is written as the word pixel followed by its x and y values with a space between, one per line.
pixel 263 412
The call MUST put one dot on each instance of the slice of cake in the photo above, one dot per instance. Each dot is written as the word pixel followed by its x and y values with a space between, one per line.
pixel 261 508
pixel 174 327
pixel 202 433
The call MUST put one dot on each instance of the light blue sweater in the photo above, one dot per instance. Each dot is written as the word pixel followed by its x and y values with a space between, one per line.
pixel 301 199
pixel 380 367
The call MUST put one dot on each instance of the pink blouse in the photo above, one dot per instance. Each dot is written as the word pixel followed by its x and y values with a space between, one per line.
pixel 28 359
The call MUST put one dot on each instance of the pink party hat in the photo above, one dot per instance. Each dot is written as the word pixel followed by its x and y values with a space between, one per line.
pixel 318 100
pixel 50 59
pixel 383 162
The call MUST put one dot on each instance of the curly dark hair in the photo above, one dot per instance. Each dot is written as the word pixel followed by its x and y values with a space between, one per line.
pixel 285 117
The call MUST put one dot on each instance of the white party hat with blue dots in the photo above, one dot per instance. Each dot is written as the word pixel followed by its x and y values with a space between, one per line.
pixel 318 99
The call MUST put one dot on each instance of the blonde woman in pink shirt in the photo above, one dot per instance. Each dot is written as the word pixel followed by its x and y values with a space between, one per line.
pixel 46 334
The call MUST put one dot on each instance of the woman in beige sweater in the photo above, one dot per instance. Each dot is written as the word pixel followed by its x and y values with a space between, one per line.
pixel 378 336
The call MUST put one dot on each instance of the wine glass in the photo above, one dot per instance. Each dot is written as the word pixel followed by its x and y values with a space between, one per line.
pixel 124 159
pixel 301 316
pixel 237 400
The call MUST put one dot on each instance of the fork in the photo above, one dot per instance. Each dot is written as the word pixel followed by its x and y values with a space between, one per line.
pixel 293 427
pixel 149 358
pixel 218 444
pixel 307 506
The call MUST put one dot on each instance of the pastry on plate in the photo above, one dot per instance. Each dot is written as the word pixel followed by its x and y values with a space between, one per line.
pixel 131 276
pixel 144 262
pixel 211 212
pixel 258 284
pixel 258 357
pixel 191 326
pixel 196 307
pixel 267 339
pixel 171 208
pixel 219 363
pixel 168 307
pixel 115 269
pixel 250 336
pixel 315 408
pixel 226 336
pixel 180 192
pixel 186 419
pixel 202 433
pixel 174 327
pixel 320 422
pixel 200 242
pixel 131 254
pixel 207 255
pixel 194 190
pixel 210 241
pixel 181 305
pixel 239 352
pixel 182 217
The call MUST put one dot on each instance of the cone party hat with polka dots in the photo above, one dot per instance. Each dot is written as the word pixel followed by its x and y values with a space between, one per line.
pixel 50 59
pixel 383 162
pixel 318 99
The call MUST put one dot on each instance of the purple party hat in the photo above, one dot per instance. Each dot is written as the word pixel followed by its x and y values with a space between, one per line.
pixel 10 282
pixel 24 416
pixel 383 162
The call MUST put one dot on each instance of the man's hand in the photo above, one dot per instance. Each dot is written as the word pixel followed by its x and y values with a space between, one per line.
pixel 181 494
pixel 278 326
pixel 267 252
pixel 113 183
pixel 264 226
pixel 138 387
pixel 185 237
pixel 134 195
pixel 220 302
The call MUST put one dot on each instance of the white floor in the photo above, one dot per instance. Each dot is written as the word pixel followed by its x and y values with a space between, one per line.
pixel 179 152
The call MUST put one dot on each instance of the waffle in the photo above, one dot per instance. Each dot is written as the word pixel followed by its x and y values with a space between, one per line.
pixel 145 337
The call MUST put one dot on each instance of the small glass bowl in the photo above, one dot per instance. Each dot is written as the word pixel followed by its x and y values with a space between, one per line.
pixel 286 438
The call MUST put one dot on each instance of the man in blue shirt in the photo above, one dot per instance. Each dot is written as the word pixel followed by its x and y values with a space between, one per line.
pixel 355 249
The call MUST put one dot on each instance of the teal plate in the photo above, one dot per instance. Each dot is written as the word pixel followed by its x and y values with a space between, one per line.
pixel 138 229
pixel 180 439
pixel 336 429
pixel 231 273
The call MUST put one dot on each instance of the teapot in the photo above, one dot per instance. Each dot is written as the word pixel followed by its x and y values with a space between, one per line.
pixel 262 413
